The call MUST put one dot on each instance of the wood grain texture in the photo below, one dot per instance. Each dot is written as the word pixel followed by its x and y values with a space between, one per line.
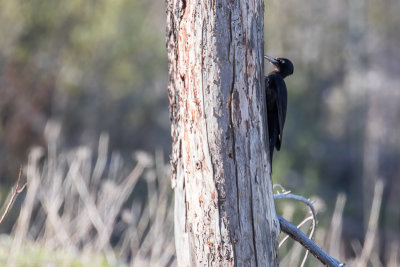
pixel 224 209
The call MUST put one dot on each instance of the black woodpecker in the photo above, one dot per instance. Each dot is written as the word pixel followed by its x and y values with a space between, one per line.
pixel 276 94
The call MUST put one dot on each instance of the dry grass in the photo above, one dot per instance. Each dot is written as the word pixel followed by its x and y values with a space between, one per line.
pixel 80 211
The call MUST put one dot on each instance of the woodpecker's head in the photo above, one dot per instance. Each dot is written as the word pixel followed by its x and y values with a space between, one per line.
pixel 283 66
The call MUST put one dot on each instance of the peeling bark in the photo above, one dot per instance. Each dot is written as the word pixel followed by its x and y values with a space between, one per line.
pixel 224 209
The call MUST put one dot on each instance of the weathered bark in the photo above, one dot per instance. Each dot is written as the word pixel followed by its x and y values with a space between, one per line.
pixel 224 209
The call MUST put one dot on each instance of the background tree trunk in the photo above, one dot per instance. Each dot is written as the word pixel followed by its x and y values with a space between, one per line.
pixel 224 209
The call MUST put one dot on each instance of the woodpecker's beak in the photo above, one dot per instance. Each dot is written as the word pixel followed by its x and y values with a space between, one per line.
pixel 271 59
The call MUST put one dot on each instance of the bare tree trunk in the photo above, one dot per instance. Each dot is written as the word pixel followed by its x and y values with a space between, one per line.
pixel 224 209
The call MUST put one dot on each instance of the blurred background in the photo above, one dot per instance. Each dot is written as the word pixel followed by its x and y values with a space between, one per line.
pixel 84 111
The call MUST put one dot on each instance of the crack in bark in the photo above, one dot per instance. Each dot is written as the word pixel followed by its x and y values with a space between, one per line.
pixel 230 36
pixel 253 222
pixel 234 153
pixel 231 109
pixel 202 93
pixel 182 8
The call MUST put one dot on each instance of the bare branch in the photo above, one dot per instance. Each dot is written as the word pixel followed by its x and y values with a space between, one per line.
pixel 298 227
pixel 17 191
pixel 288 195
pixel 300 237
pixel 285 194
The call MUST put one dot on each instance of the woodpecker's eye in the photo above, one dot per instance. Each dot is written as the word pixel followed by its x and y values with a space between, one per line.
pixel 283 61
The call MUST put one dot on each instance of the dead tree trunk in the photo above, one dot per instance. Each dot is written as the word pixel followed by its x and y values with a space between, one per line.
pixel 224 209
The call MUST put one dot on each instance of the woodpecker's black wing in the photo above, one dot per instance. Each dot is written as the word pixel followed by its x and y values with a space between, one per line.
pixel 276 94
pixel 281 107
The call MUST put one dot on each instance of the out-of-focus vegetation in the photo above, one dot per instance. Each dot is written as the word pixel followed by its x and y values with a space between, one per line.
pixel 100 66
pixel 85 208
pixel 92 65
